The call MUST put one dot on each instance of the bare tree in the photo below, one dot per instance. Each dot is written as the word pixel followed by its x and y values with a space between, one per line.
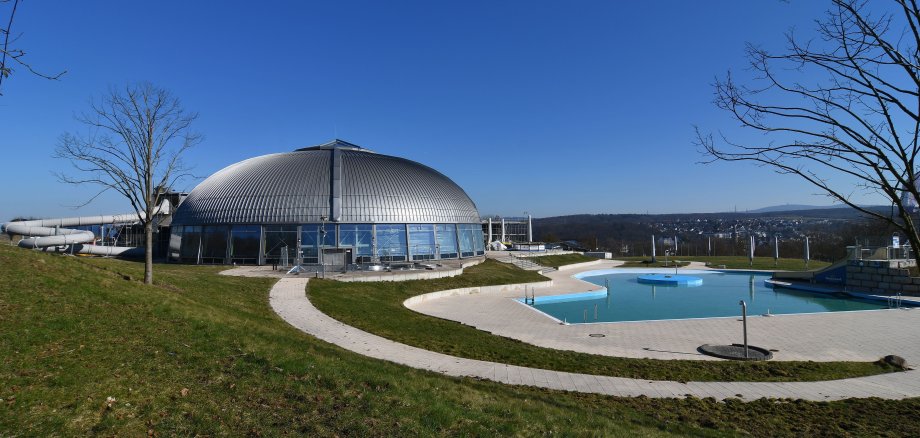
pixel 10 55
pixel 134 146
pixel 836 109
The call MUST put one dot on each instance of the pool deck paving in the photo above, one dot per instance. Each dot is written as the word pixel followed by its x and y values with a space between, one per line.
pixel 289 300
pixel 833 336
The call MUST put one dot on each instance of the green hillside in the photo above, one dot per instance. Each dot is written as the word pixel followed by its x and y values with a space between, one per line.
pixel 88 350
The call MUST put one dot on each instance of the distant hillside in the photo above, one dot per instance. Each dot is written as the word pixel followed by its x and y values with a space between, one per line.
pixel 813 213
pixel 794 207
pixel 801 207
pixel 831 228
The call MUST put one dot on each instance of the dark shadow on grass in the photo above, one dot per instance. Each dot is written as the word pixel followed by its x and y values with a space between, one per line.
pixel 672 352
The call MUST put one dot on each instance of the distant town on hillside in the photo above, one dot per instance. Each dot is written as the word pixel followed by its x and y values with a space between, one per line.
pixel 829 230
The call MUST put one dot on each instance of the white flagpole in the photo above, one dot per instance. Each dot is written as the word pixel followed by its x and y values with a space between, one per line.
pixel 775 250
pixel 752 251
pixel 807 255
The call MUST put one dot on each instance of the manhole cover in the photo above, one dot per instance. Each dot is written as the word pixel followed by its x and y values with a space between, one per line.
pixel 597 335
pixel 736 352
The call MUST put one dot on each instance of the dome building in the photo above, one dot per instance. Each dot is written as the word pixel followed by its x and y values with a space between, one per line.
pixel 335 204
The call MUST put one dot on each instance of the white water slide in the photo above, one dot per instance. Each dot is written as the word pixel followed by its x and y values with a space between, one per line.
pixel 53 233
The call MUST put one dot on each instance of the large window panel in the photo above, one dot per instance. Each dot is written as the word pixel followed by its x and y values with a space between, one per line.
pixel 191 244
pixel 280 238
pixel 421 241
pixel 360 237
pixel 391 242
pixel 467 244
pixel 175 242
pixel 447 241
pixel 478 239
pixel 214 244
pixel 312 238
pixel 244 243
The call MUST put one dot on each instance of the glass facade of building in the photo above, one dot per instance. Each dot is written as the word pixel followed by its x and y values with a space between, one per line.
pixel 365 243
pixel 244 244
pixel 447 240
pixel 214 244
pixel 277 240
pixel 313 238
pixel 422 242
pixel 359 237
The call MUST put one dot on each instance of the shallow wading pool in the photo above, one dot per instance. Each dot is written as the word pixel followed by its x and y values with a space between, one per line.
pixel 630 299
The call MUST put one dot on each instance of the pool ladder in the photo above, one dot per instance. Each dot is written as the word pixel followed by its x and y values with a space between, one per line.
pixel 894 301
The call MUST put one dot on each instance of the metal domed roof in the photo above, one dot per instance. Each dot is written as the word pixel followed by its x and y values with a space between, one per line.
pixel 337 180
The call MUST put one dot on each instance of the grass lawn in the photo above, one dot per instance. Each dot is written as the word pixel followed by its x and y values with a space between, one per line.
pixel 377 308
pixel 647 263
pixel 730 262
pixel 556 261
pixel 88 350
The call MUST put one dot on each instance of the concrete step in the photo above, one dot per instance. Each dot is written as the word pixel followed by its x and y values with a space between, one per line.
pixel 524 264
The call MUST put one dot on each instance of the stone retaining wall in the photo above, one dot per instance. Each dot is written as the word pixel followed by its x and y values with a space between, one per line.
pixel 879 277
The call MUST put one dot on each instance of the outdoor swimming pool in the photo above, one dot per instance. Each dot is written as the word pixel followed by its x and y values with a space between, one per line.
pixel 718 296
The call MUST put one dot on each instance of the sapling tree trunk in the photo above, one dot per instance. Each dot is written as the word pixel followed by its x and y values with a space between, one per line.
pixel 134 146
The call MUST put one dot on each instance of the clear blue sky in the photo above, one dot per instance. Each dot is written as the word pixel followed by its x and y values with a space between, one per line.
pixel 546 107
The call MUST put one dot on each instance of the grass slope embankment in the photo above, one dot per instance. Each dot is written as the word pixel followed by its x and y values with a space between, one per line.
pixel 88 350
pixel 556 261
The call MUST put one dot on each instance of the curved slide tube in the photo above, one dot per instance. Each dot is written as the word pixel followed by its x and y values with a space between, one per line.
pixel 46 233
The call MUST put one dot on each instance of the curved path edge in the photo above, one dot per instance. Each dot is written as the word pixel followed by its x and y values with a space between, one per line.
pixel 288 299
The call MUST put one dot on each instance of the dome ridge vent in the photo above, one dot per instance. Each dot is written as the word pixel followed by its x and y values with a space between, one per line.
pixel 336 144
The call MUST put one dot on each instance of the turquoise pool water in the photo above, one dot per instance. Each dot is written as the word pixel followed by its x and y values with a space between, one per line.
pixel 718 296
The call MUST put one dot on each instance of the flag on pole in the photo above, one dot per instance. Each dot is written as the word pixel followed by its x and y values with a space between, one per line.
pixel 653 248
pixel 752 251
pixel 807 255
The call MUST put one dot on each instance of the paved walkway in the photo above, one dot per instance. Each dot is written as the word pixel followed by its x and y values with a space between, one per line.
pixel 289 300
pixel 835 336
pixel 441 269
